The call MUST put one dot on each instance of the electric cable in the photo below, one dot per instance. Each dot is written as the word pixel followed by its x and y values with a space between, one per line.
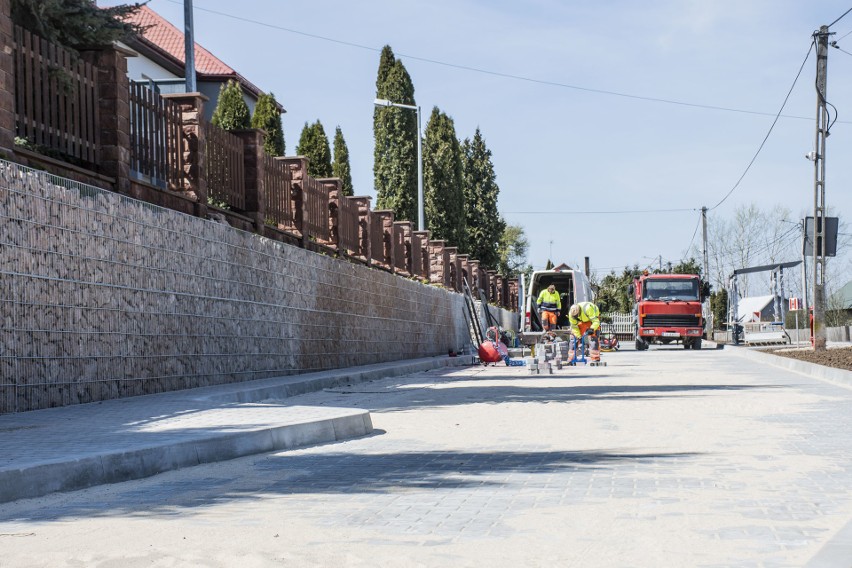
pixel 489 72
pixel 695 232
pixel 774 122
pixel 840 18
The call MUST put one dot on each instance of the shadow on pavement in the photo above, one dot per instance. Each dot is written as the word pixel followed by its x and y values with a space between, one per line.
pixel 327 473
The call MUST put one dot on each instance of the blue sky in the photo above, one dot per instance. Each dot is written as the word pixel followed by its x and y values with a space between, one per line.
pixel 558 150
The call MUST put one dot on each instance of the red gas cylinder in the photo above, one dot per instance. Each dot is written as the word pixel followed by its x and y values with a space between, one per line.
pixel 491 352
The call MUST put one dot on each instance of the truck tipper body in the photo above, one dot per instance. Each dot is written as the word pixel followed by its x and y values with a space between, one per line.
pixel 668 308
pixel 572 285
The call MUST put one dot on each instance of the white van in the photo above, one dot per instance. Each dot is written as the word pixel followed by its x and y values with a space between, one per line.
pixel 573 286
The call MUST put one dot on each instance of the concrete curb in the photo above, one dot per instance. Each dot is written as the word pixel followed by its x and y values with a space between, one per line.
pixel 830 374
pixel 79 473
pixel 294 385
pixel 97 466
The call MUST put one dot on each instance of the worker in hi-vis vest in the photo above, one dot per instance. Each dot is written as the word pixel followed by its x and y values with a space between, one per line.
pixel 549 306
pixel 585 319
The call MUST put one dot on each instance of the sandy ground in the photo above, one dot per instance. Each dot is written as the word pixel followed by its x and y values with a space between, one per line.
pixel 840 358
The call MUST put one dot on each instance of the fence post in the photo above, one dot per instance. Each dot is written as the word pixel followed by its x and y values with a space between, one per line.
pixel 513 295
pixel 334 196
pixel 464 272
pixel 423 269
pixel 253 166
pixel 364 227
pixel 194 147
pixel 439 264
pixel 7 78
pixel 113 113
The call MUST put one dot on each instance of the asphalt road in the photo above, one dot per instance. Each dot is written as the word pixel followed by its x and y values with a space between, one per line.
pixel 663 458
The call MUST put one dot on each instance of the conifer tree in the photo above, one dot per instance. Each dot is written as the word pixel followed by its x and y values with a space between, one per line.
pixel 267 117
pixel 232 112
pixel 395 133
pixel 340 167
pixel 484 224
pixel 442 181
pixel 75 24
pixel 313 144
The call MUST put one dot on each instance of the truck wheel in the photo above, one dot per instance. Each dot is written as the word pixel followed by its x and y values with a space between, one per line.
pixel 641 345
pixel 687 343
pixel 696 343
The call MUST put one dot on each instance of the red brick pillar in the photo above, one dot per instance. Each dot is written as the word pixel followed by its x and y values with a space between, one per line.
pixel 474 277
pixel 113 113
pixel 7 78
pixel 363 227
pixel 453 268
pixel 513 294
pixel 254 168
pixel 402 250
pixel 333 185
pixel 464 270
pixel 387 216
pixel 194 147
pixel 422 241
pixel 439 264
pixel 491 291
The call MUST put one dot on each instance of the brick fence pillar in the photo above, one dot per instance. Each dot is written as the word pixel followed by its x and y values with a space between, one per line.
pixel 439 272
pixel 7 78
pixel 422 240
pixel 254 169
pixel 113 113
pixel 194 147
pixel 334 187
pixel 363 203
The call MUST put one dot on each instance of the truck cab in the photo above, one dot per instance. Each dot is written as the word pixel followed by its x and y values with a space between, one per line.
pixel 572 285
pixel 668 308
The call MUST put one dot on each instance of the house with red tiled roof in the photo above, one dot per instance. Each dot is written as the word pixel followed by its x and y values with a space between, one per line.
pixel 161 61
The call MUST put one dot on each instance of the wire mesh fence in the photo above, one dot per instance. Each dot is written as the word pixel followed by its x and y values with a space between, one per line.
pixel 103 296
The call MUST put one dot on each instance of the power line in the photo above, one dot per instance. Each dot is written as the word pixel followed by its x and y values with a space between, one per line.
pixel 840 18
pixel 495 73
pixel 774 122
pixel 695 232
pixel 621 212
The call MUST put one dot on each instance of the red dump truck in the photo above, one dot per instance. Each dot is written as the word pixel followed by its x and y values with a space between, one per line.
pixel 667 308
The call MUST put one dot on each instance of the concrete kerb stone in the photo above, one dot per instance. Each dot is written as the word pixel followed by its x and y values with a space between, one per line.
pixel 293 385
pixel 103 466
pixel 830 374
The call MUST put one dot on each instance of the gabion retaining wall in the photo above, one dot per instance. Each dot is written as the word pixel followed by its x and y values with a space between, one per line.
pixel 102 297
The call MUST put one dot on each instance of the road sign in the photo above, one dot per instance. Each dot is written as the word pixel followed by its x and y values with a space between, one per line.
pixel 795 304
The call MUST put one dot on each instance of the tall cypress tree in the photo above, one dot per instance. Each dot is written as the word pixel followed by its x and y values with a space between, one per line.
pixel 232 112
pixel 395 133
pixel 340 166
pixel 442 181
pixel 484 225
pixel 267 117
pixel 313 143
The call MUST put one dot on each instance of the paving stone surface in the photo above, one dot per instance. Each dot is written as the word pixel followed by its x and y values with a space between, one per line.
pixel 662 458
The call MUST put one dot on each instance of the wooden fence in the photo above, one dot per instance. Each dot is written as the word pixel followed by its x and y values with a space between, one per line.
pixel 347 225
pixel 155 137
pixel 225 168
pixel 56 98
pixel 278 185
pixel 315 210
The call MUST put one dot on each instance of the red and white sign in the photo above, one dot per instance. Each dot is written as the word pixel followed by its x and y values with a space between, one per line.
pixel 795 303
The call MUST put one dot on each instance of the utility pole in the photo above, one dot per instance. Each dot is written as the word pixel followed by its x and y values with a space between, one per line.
pixel 821 38
pixel 189 46
pixel 704 228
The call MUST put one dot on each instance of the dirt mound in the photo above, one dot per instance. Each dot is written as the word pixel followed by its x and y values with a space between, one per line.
pixel 839 358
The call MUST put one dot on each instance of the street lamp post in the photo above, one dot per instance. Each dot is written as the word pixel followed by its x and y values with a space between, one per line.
pixel 421 220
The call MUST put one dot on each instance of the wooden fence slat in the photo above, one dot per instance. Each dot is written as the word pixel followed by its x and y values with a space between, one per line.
pixel 58 112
